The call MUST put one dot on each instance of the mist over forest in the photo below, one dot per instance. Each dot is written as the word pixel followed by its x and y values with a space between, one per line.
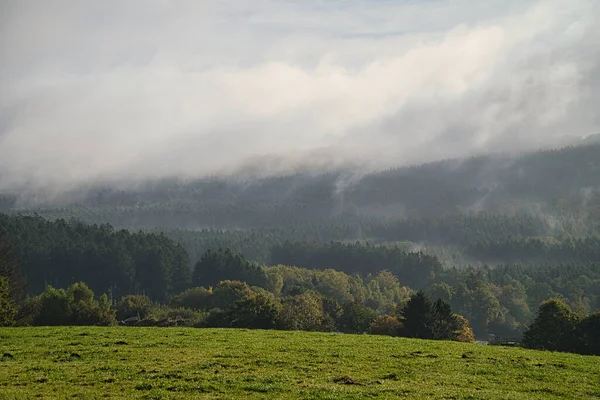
pixel 344 158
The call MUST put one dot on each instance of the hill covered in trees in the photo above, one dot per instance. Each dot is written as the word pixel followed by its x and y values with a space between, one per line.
pixel 493 236
pixel 562 182
pixel 338 279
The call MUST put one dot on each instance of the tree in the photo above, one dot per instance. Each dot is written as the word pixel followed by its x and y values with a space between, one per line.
pixel 417 317
pixel 133 305
pixel 8 311
pixel 553 328
pixel 198 298
pixel 440 290
pixel 154 274
pixel 85 310
pixel 302 312
pixel 463 332
pixel 355 318
pixel 217 266
pixel 74 306
pixel 181 275
pixel 10 268
pixel 444 324
pixel 334 284
pixel 259 310
pixel 54 309
pixel 226 293
pixel 589 334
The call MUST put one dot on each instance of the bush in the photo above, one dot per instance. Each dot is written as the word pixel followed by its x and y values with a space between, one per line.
pixel 74 306
pixel 258 310
pixel 226 293
pixel 28 311
pixel 87 311
pixel 197 298
pixel 385 325
pixel 54 309
pixel 184 316
pixel 134 305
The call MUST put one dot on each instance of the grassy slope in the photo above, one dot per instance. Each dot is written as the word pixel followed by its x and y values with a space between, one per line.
pixel 157 363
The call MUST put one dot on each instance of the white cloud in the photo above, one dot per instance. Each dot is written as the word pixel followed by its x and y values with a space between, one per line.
pixel 127 90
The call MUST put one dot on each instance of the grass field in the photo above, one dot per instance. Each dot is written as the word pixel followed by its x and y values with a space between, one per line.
pixel 173 363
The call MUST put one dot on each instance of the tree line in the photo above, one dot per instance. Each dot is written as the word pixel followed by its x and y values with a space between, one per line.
pixel 115 261
pixel 502 300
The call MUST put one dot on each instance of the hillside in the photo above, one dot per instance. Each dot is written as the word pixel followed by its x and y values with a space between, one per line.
pixel 89 362
pixel 552 182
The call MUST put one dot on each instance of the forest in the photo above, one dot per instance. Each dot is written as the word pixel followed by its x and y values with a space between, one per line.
pixel 481 243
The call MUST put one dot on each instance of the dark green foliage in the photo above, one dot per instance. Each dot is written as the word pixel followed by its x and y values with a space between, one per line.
pixel 355 318
pixel 197 298
pixel 417 317
pixel 8 310
pixel 414 269
pixel 259 310
pixel 133 305
pixel 87 311
pixel 588 333
pixel 119 262
pixel 74 306
pixel 54 308
pixel 10 268
pixel 554 328
pixel 254 310
pixel 444 324
pixel 227 293
pixel 302 312
pixel 385 325
pixel 424 319
pixel 220 265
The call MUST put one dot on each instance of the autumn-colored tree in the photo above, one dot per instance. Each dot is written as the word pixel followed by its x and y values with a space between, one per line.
pixel 385 325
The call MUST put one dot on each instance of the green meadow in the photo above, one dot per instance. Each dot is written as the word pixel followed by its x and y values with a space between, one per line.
pixel 175 363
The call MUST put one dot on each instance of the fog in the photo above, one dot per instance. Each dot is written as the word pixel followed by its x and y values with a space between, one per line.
pixel 121 91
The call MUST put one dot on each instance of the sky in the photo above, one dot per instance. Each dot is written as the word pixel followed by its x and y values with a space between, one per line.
pixel 94 91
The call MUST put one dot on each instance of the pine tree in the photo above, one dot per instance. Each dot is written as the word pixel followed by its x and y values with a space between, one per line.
pixel 417 317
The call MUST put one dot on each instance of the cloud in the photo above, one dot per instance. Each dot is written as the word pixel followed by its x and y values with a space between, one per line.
pixel 142 89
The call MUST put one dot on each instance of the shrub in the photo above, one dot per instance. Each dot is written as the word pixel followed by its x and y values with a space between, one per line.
pixel 197 298
pixel 385 325
pixel 186 316
pixel 134 305
pixel 54 308
pixel 87 311
pixel 74 306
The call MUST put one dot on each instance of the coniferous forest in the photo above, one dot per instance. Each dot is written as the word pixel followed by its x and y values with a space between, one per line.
pixel 460 249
